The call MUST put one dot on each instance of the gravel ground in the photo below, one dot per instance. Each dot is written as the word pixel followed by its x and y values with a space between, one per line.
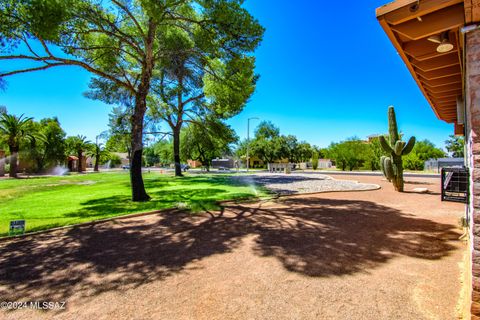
pixel 344 255
pixel 298 183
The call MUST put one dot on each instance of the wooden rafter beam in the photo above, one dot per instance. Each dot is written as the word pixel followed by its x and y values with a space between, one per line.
pixel 439 73
pixel 444 100
pixel 447 94
pixel 445 88
pixel 437 63
pixel 448 108
pixel 442 106
pixel 443 81
pixel 434 23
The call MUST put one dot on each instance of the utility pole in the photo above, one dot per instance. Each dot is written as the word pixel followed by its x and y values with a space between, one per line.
pixel 248 140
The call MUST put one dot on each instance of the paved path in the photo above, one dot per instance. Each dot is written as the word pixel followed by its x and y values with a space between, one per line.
pixel 356 255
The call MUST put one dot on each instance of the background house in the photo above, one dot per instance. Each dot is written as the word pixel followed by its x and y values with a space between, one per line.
pixel 194 164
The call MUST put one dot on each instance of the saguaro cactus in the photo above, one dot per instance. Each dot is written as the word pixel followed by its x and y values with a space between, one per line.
pixel 392 166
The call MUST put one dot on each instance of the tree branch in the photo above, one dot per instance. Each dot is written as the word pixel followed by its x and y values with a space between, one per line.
pixel 131 16
pixel 57 61
pixel 45 67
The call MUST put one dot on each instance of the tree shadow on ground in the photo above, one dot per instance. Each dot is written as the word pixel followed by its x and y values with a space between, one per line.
pixel 194 200
pixel 276 178
pixel 267 181
pixel 310 236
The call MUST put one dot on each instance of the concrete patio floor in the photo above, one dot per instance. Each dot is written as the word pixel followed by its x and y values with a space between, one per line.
pixel 347 255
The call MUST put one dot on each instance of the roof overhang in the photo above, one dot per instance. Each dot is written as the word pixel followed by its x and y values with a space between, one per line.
pixel 440 76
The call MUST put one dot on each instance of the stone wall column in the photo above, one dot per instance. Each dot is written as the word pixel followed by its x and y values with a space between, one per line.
pixel 472 95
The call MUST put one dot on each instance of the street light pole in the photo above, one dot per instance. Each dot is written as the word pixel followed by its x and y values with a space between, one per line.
pixel 248 140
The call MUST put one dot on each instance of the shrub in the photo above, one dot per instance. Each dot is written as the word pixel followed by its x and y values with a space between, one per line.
pixel 413 162
pixel 115 160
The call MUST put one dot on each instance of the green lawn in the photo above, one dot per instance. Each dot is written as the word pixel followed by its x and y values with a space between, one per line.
pixel 48 202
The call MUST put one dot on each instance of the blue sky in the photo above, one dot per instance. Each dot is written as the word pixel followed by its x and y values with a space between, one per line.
pixel 325 75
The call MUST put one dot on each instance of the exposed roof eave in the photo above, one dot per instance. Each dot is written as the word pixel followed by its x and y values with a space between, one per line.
pixel 402 54
pixel 439 76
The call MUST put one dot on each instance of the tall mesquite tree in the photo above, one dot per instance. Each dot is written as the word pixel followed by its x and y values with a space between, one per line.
pixel 207 72
pixel 392 166
pixel 118 41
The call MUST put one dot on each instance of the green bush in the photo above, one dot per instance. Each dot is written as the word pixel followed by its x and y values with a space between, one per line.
pixel 413 162
pixel 115 160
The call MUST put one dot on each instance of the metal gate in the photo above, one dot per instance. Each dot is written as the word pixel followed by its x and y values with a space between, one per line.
pixel 455 184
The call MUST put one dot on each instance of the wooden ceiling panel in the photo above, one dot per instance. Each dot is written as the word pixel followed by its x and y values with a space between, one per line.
pixel 408 12
pixel 424 49
pixel 424 52
pixel 434 23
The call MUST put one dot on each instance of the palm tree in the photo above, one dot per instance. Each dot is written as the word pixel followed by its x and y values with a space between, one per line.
pixel 97 151
pixel 78 144
pixel 13 130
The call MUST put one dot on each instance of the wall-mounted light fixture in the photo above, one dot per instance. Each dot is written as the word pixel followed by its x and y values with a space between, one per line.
pixel 444 44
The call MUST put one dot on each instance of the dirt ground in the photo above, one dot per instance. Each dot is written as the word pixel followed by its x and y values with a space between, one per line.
pixel 346 255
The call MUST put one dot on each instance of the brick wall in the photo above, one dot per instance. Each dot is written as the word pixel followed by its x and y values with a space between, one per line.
pixel 472 94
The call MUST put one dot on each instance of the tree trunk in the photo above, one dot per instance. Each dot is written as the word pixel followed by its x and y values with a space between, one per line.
pixel 138 188
pixel 80 160
pixel 97 156
pixel 176 151
pixel 13 161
